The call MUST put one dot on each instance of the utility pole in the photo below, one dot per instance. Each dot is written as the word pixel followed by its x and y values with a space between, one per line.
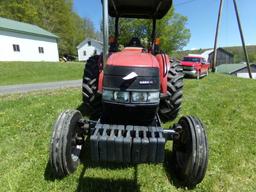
pixel 217 36
pixel 242 39
pixel 241 34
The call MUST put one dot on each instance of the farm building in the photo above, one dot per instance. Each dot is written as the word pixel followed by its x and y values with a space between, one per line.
pixel 239 70
pixel 223 56
pixel 88 48
pixel 25 42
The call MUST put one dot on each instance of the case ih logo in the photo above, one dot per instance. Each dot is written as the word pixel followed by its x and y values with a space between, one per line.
pixel 146 82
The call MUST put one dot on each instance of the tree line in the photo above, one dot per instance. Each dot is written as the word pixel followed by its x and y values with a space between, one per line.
pixel 56 16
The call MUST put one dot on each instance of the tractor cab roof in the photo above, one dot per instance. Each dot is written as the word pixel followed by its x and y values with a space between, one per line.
pixel 144 9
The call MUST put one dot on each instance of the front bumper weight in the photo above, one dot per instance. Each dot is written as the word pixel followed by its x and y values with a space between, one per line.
pixel 127 144
pixel 119 143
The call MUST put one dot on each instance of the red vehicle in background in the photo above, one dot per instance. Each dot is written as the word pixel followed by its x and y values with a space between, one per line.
pixel 195 66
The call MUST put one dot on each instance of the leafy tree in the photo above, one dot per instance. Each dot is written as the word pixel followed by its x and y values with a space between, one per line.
pixel 20 10
pixel 171 30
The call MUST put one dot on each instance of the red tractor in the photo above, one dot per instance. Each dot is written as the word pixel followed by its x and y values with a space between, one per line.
pixel 128 94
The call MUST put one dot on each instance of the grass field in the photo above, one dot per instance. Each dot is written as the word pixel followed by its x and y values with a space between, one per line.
pixel 226 105
pixel 34 72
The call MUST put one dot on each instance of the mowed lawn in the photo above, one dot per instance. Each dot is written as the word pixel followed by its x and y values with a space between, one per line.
pixel 35 72
pixel 226 105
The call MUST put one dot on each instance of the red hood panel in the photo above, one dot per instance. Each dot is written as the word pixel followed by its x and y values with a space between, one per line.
pixel 188 63
pixel 133 57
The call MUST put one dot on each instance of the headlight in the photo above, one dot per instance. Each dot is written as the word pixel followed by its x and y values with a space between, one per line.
pixel 121 96
pixel 138 97
pixel 153 97
pixel 108 95
pixel 145 97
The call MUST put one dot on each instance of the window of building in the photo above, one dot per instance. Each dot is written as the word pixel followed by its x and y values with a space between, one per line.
pixel 16 48
pixel 84 53
pixel 41 50
pixel 89 43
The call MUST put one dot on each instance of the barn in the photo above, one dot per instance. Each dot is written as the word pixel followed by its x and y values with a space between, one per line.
pixel 26 42
pixel 239 70
pixel 223 56
pixel 88 48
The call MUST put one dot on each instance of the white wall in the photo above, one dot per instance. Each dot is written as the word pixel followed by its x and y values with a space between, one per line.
pixel 90 50
pixel 246 75
pixel 28 47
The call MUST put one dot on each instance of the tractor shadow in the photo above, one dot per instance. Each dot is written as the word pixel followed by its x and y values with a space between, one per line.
pixel 171 174
pixel 98 184
pixel 48 173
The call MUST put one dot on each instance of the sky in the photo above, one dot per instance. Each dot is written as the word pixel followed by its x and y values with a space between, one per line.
pixel 202 20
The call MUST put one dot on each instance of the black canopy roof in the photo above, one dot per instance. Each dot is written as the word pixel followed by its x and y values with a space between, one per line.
pixel 146 9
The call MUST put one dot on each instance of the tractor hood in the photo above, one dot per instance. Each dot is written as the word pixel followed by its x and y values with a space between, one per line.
pixel 132 57
pixel 145 9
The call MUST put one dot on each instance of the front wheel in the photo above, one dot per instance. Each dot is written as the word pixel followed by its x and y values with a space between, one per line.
pixel 190 152
pixel 65 147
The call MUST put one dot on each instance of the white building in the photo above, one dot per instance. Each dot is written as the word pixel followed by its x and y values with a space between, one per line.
pixel 88 48
pixel 25 42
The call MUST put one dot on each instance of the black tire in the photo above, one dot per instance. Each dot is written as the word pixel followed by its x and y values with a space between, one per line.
pixel 91 98
pixel 64 149
pixel 190 152
pixel 170 105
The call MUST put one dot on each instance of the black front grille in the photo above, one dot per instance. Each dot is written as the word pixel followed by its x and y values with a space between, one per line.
pixel 148 78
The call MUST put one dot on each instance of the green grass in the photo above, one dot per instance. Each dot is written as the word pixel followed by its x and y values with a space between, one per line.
pixel 225 104
pixel 35 72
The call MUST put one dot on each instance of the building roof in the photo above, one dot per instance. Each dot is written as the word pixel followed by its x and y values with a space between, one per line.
pixel 225 51
pixel 89 39
pixel 206 54
pixel 25 28
pixel 194 55
pixel 229 68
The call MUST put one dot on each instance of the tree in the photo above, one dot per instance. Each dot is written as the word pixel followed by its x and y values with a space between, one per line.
pixel 171 30
pixel 19 10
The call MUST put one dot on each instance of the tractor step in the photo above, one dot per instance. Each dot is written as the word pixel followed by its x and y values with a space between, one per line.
pixel 127 144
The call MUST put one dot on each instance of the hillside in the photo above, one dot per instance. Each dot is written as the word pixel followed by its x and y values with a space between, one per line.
pixel 237 51
pixel 225 104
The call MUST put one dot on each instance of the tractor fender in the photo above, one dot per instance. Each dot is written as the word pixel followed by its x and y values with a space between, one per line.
pixel 100 82
pixel 164 66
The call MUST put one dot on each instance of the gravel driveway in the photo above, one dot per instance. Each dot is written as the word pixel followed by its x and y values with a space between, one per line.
pixel 24 88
